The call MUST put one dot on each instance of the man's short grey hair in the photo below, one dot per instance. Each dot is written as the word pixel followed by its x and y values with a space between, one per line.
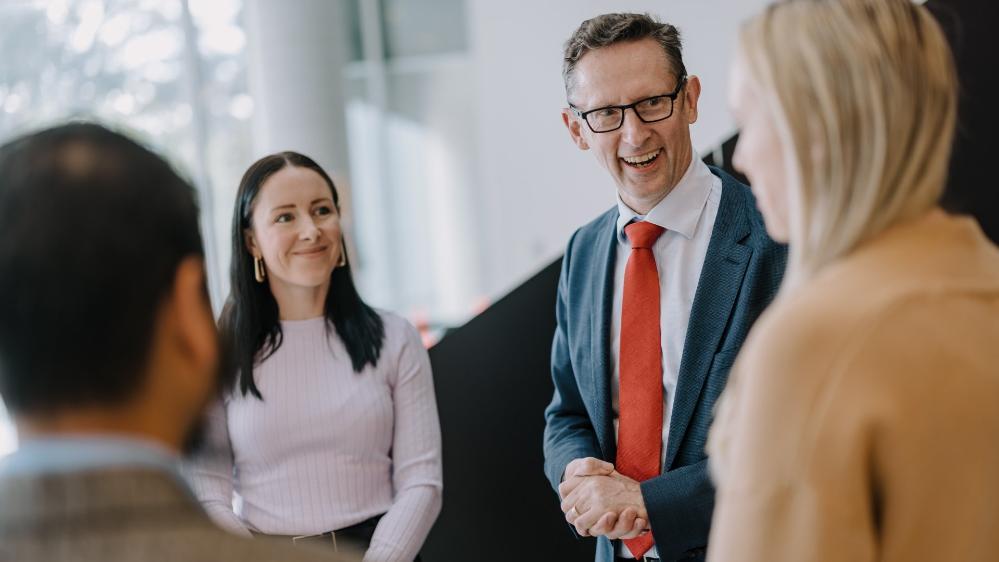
pixel 609 29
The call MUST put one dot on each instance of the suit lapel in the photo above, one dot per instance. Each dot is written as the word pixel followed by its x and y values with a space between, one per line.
pixel 721 277
pixel 605 252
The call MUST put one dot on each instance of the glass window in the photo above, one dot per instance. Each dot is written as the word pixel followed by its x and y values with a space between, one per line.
pixel 170 72
pixel 425 27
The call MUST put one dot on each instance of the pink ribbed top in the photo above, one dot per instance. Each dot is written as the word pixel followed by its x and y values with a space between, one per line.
pixel 328 447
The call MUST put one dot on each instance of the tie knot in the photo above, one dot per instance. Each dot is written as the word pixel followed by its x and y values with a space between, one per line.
pixel 643 234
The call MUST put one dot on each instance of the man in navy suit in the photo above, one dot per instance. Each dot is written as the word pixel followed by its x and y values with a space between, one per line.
pixel 655 298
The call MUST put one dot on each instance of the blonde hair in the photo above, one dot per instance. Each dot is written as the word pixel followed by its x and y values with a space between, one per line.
pixel 865 94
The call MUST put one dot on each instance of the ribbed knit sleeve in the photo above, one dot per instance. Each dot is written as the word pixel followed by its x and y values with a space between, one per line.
pixel 416 459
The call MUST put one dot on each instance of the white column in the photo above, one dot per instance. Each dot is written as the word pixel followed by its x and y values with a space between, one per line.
pixel 296 54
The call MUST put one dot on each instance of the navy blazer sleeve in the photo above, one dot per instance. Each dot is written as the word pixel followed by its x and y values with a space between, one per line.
pixel 680 503
pixel 568 432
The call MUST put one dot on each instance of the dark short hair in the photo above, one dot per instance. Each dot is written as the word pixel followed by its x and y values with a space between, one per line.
pixel 250 323
pixel 92 229
pixel 608 29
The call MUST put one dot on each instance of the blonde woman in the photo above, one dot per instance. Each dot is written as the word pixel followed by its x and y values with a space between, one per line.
pixel 862 416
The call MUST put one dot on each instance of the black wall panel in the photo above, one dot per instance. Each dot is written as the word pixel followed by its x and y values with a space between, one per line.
pixel 493 383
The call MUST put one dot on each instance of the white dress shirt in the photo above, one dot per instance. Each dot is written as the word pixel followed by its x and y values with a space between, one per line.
pixel 327 447
pixel 688 215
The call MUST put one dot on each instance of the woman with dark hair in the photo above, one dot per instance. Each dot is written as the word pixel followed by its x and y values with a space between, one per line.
pixel 330 431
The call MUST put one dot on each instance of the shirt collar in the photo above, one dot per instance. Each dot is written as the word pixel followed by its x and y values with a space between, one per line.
pixel 681 209
pixel 87 452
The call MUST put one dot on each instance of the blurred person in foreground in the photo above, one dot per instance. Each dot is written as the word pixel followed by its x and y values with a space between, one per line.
pixel 108 355
pixel 862 417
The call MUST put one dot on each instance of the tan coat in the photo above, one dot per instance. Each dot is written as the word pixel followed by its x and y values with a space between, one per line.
pixel 861 420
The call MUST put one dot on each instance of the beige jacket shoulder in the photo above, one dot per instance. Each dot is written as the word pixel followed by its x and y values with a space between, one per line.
pixel 861 420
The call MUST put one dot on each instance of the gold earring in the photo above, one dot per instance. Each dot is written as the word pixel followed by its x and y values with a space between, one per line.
pixel 343 256
pixel 259 272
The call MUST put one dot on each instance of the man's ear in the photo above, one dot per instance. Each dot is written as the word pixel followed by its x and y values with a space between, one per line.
pixel 575 127
pixel 692 92
pixel 196 333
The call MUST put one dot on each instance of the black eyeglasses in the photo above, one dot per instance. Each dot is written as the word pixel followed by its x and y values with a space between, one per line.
pixel 649 110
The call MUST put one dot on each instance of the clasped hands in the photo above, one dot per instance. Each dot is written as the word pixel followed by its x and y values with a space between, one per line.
pixel 600 501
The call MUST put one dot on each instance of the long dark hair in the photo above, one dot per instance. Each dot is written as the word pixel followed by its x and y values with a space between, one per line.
pixel 250 324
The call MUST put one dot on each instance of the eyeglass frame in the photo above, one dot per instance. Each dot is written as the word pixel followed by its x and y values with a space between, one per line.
pixel 624 108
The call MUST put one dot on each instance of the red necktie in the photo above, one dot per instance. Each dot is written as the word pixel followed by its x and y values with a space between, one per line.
pixel 640 412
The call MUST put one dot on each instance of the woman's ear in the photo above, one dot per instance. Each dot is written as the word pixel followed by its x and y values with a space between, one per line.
pixel 250 241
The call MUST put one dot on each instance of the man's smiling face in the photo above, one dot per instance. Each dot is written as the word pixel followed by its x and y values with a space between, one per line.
pixel 646 160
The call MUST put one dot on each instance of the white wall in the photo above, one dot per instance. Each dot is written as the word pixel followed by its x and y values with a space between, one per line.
pixel 536 187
